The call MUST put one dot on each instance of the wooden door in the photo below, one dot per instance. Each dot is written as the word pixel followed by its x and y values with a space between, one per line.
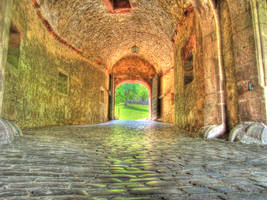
pixel 111 97
pixel 155 95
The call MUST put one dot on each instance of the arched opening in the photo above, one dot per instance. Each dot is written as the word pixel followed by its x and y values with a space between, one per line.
pixel 134 69
pixel 132 101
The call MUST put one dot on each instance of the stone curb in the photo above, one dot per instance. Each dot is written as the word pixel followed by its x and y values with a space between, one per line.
pixel 249 133
pixel 8 131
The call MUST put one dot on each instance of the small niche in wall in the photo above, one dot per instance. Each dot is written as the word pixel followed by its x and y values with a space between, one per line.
pixel 188 70
pixel 189 61
pixel 14 46
pixel 172 98
pixel 62 83
pixel 102 96
pixel 120 4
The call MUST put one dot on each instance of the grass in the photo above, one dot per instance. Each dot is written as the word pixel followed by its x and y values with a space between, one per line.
pixel 131 111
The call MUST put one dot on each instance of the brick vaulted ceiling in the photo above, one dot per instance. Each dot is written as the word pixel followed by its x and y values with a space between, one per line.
pixel 90 27
pixel 133 68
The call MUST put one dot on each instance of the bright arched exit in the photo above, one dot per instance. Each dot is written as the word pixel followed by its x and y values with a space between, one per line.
pixel 132 102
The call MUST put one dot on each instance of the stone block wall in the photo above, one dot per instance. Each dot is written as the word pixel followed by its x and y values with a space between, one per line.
pixel 239 61
pixel 199 103
pixel 259 18
pixel 251 104
pixel 47 83
pixel 189 98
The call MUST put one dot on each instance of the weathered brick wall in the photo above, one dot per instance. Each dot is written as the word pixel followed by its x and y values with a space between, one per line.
pixel 51 84
pixel 131 68
pixel 189 99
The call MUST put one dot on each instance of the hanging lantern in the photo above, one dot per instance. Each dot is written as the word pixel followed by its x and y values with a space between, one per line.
pixel 134 49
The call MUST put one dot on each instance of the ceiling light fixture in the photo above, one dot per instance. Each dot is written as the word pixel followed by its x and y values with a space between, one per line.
pixel 134 48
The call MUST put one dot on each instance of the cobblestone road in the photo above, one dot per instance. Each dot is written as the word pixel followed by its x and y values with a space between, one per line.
pixel 129 160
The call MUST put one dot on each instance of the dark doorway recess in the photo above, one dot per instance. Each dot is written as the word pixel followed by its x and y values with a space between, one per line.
pixel 120 4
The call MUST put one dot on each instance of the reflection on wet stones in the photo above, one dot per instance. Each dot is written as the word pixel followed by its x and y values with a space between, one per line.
pixel 129 160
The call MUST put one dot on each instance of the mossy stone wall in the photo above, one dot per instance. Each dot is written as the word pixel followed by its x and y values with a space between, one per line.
pixel 47 83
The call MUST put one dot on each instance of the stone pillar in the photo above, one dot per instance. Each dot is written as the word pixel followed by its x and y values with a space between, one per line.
pixel 155 89
pixel 259 17
pixel 251 99
pixel 5 19
pixel 212 108
pixel 250 49
pixel 111 97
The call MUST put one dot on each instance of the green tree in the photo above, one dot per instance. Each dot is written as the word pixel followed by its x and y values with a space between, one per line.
pixel 142 92
pixel 128 91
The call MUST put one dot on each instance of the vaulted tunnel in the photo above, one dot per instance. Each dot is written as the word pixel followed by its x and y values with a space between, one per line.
pixel 64 60
pixel 203 63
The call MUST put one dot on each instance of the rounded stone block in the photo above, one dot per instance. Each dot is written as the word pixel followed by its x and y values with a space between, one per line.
pixel 212 131
pixel 249 133
pixel 8 131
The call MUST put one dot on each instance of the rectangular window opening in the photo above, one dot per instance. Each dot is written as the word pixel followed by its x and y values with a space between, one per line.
pixel 102 96
pixel 14 46
pixel 188 58
pixel 120 4
pixel 62 83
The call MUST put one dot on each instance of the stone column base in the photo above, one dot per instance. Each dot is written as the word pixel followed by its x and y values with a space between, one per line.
pixel 8 131
pixel 249 133
pixel 212 131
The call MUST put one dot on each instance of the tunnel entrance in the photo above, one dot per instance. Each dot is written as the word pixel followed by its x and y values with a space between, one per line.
pixel 134 70
pixel 132 101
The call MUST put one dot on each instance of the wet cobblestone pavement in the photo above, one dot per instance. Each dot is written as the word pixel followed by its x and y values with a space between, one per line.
pixel 129 160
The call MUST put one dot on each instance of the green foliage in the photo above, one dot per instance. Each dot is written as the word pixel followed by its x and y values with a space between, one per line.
pixel 13 56
pixel 130 91
pixel 142 92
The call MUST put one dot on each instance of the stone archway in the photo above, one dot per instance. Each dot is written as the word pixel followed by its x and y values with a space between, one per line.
pixel 133 69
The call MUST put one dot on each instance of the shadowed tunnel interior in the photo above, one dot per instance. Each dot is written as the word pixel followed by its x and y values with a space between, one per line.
pixel 199 60
pixel 203 63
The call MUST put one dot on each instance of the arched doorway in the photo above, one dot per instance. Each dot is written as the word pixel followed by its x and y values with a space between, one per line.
pixel 134 69
pixel 133 100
